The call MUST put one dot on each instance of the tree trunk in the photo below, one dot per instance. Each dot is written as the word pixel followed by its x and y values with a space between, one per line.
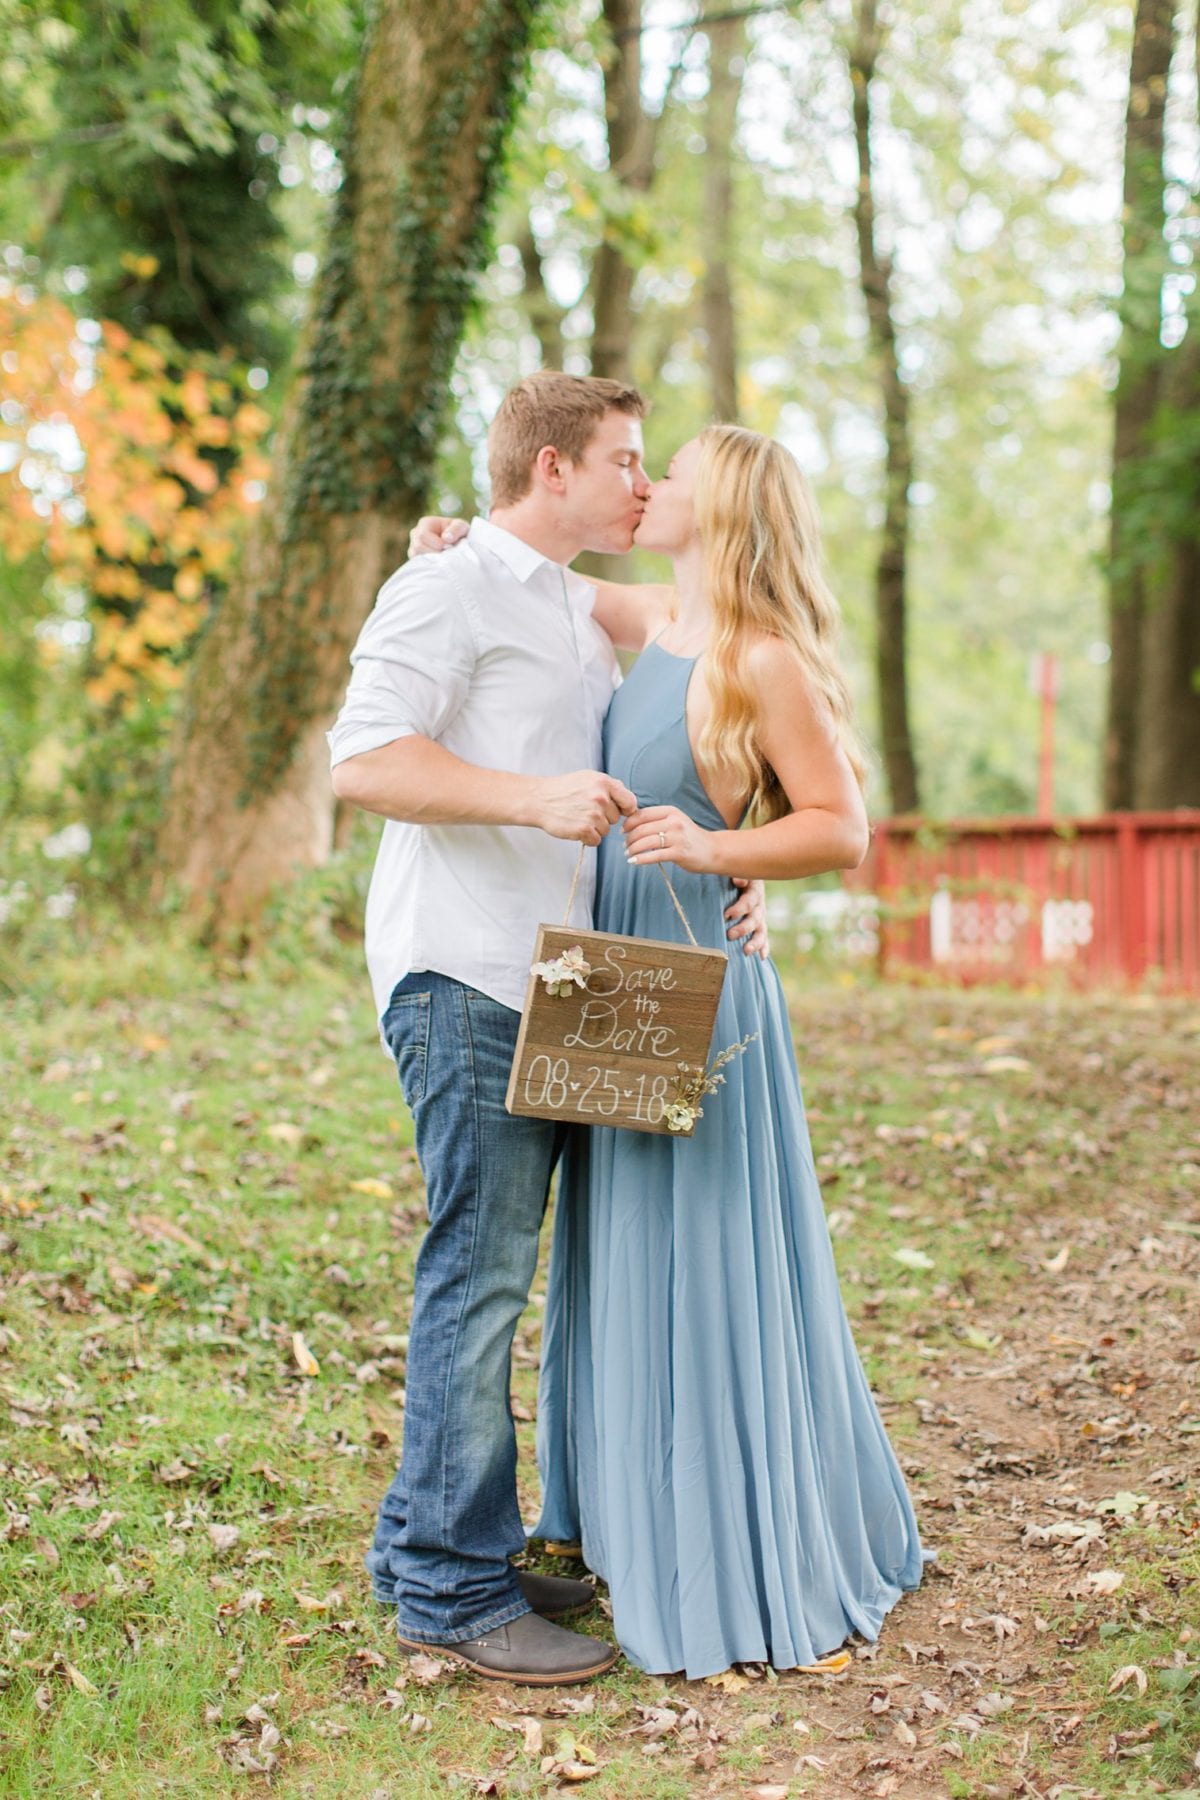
pixel 1138 378
pixel 631 147
pixel 726 66
pixel 891 573
pixel 632 136
pixel 545 316
pixel 631 143
pixel 250 800
pixel 1169 750
pixel 1168 731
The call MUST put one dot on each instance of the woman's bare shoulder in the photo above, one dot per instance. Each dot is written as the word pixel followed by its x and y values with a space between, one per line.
pixel 768 659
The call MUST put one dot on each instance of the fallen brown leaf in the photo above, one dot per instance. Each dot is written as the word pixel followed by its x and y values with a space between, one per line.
pixel 161 1231
pixel 828 1665
pixel 729 1681
pixel 426 1669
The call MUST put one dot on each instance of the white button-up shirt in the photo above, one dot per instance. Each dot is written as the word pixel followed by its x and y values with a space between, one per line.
pixel 491 650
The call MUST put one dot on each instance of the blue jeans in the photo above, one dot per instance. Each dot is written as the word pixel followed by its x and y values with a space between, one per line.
pixel 450 1522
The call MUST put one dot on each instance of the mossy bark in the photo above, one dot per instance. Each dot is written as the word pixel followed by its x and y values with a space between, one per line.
pixel 250 798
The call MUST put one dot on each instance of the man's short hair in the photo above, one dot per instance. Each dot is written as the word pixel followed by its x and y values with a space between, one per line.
pixel 553 409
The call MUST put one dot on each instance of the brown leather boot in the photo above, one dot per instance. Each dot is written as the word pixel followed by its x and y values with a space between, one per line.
pixel 556 1596
pixel 528 1650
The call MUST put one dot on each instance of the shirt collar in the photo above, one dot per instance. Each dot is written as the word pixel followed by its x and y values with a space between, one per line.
pixel 523 560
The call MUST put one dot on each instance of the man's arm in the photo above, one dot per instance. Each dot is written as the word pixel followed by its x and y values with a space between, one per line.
pixel 631 612
pixel 417 780
pixel 746 918
pixel 412 669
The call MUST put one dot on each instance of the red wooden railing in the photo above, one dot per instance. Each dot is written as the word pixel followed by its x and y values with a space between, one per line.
pixel 1102 900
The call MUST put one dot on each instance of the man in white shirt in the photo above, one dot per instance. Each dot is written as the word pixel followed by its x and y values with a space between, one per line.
pixel 472 724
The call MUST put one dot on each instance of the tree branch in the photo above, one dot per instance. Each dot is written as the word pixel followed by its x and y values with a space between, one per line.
pixel 81 134
pixel 183 260
pixel 714 18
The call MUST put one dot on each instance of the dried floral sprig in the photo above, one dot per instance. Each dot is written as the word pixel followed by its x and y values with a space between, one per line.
pixel 566 972
pixel 691 1085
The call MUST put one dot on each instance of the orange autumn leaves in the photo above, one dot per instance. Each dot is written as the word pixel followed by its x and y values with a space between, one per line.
pixel 131 466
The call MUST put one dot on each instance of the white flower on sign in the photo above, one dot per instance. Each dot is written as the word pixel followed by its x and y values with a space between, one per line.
pixel 565 972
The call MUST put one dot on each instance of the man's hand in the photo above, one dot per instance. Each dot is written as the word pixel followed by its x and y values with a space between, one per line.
pixel 747 917
pixel 580 806
pixel 434 533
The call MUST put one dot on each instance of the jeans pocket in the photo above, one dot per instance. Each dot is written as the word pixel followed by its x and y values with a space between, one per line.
pixel 406 1031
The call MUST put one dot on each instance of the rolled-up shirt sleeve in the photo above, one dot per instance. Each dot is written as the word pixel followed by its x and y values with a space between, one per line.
pixel 411 667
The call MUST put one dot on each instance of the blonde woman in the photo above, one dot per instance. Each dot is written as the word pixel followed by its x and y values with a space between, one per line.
pixel 705 1427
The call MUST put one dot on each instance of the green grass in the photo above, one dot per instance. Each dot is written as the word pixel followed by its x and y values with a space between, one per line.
pixel 201 1161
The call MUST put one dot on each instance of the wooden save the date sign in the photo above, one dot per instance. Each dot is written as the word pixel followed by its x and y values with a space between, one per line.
pixel 608 1052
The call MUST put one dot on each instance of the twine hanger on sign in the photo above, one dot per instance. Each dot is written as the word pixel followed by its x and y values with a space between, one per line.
pixel 661 867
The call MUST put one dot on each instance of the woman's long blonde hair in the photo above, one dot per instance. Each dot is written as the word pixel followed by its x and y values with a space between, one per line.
pixel 762 548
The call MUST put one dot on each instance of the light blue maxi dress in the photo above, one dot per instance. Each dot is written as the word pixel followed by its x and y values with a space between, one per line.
pixel 705 1427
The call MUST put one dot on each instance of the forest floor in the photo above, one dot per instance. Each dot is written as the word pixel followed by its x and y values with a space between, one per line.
pixel 209 1207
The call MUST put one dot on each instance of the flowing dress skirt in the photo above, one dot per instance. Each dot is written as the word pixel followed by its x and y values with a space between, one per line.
pixel 705 1426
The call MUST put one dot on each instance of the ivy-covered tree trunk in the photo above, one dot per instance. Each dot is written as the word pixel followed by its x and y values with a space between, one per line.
pixel 891 571
pixel 1138 386
pixel 726 66
pixel 250 800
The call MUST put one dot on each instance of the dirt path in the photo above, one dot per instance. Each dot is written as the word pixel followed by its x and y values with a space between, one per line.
pixel 1044 1400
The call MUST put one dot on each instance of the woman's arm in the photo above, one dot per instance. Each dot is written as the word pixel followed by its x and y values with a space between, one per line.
pixel 827 828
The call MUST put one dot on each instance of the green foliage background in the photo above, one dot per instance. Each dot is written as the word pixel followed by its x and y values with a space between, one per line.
pixel 130 129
